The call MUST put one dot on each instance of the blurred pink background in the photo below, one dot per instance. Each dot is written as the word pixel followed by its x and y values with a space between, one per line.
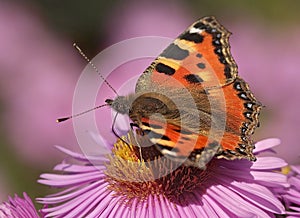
pixel 39 69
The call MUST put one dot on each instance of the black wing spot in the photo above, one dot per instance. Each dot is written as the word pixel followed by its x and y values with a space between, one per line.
pixel 146 124
pixel 155 135
pixel 182 131
pixel 227 71
pixel 198 55
pixel 243 130
pixel 216 42
pixel 222 59
pixel 200 26
pixel 247 114
pixel 175 52
pixel 241 151
pixel 162 68
pixel 243 95
pixel 154 126
pixel 213 144
pixel 218 50
pixel 162 147
pixel 192 78
pixel 231 152
pixel 243 146
pixel 249 105
pixel 238 86
pixel 193 37
pixel 201 65
pixel 218 35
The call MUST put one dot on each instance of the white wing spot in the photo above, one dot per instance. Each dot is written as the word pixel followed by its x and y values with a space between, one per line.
pixel 195 30
pixel 167 152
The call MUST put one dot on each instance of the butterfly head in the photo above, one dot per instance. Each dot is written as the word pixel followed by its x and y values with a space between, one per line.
pixel 120 104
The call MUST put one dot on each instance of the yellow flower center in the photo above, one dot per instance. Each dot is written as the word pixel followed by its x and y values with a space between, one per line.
pixel 133 177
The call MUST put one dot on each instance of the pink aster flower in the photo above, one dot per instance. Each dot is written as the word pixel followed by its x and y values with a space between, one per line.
pixel 18 208
pixel 292 197
pixel 115 187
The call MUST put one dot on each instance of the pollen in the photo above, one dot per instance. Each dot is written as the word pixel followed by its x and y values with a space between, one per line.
pixel 125 151
pixel 286 170
pixel 132 177
pixel 128 175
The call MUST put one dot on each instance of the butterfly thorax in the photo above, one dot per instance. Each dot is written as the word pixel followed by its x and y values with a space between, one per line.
pixel 120 104
pixel 143 106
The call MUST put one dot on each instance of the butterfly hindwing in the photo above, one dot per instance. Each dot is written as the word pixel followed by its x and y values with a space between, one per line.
pixel 181 141
pixel 242 111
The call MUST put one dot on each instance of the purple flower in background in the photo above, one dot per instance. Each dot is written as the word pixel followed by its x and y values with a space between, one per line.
pixel 145 18
pixel 5 186
pixel 138 18
pixel 291 198
pixel 37 80
pixel 17 207
pixel 268 60
pixel 118 187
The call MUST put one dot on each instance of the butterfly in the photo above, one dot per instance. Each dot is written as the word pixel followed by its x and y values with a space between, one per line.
pixel 191 103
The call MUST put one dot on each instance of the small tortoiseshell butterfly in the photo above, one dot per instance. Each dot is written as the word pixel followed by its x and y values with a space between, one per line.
pixel 198 65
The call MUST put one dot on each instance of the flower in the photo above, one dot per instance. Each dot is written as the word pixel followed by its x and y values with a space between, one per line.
pixel 18 208
pixel 291 198
pixel 122 184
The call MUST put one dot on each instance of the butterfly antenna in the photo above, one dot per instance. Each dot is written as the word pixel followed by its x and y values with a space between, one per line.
pixel 59 120
pixel 95 68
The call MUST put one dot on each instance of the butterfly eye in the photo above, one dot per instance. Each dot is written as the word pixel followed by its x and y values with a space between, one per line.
pixel 109 101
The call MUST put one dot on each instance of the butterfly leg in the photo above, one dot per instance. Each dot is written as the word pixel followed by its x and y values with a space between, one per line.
pixel 114 131
pixel 138 130
pixel 133 125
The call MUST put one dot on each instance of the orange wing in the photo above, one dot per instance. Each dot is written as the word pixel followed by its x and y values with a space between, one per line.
pixel 199 56
pixel 199 65
pixel 241 110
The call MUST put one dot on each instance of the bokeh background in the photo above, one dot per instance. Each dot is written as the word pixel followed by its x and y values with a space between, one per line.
pixel 39 68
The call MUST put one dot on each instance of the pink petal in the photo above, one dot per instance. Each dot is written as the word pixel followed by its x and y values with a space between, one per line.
pixel 266 144
pixel 296 169
pixel 266 163
pixel 259 195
